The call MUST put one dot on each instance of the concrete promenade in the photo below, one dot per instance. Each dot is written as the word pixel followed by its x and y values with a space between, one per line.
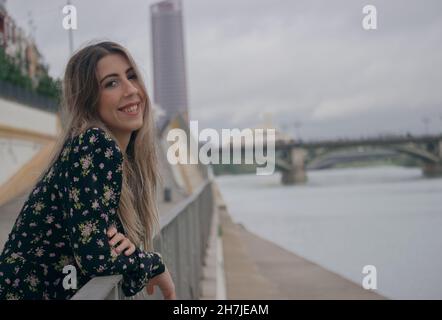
pixel 255 268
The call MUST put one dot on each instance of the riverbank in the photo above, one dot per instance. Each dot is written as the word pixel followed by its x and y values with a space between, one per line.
pixel 345 219
pixel 255 268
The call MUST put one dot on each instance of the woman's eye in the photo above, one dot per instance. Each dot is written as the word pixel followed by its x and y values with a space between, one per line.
pixel 112 83
pixel 132 76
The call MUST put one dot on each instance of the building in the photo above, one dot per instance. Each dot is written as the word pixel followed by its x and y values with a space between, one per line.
pixel 20 48
pixel 169 67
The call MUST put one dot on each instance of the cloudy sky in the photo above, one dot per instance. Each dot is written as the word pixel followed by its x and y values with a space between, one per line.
pixel 306 63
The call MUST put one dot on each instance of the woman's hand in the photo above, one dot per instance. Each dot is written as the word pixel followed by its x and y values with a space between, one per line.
pixel 125 244
pixel 165 282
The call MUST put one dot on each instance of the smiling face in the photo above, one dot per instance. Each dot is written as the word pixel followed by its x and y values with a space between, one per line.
pixel 120 104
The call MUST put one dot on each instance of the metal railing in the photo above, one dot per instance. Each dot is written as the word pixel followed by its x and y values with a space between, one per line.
pixel 15 93
pixel 182 242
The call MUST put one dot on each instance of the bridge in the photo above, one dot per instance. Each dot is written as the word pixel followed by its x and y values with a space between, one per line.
pixel 361 154
pixel 292 155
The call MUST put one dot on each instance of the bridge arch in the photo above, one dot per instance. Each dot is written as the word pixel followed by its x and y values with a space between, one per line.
pixel 421 154
pixel 427 149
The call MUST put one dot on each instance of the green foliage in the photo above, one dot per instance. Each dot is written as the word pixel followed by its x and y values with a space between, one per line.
pixel 48 87
pixel 10 72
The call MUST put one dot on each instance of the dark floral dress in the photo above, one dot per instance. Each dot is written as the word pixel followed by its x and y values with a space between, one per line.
pixel 64 222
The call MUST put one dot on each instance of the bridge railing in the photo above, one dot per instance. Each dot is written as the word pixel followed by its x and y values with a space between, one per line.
pixel 21 95
pixel 182 242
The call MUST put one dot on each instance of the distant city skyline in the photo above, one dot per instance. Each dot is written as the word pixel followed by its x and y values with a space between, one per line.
pixel 308 63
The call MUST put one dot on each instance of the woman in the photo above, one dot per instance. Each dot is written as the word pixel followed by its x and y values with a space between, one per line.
pixel 94 206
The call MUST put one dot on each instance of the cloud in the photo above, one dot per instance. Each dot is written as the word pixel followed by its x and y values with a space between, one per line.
pixel 306 61
pixel 317 66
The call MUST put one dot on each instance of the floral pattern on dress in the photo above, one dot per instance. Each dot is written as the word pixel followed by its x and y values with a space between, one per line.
pixel 64 222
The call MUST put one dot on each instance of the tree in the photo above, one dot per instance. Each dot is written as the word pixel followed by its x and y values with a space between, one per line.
pixel 10 72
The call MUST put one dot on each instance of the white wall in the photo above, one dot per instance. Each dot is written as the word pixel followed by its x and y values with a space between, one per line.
pixel 19 116
pixel 15 153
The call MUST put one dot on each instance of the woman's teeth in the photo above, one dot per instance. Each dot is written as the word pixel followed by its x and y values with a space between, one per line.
pixel 130 109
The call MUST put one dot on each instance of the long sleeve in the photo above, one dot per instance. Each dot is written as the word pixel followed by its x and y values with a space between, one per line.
pixel 94 176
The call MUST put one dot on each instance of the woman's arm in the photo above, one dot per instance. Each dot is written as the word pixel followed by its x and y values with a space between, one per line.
pixel 94 187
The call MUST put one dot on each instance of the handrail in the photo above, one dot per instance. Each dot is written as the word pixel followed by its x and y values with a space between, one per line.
pixel 174 212
pixel 182 242
pixel 13 92
pixel 100 288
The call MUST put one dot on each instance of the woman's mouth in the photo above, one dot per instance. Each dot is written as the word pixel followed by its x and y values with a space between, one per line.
pixel 131 110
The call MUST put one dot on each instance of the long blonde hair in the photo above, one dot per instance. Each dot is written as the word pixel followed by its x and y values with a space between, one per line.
pixel 79 111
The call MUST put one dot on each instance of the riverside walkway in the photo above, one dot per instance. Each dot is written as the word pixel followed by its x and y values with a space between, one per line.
pixel 256 268
pixel 241 265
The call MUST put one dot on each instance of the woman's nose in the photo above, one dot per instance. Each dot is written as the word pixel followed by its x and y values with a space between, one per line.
pixel 130 88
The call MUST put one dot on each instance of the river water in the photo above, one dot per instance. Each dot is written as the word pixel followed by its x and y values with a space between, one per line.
pixel 345 219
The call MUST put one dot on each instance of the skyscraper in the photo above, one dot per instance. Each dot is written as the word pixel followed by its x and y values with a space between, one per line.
pixel 170 88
